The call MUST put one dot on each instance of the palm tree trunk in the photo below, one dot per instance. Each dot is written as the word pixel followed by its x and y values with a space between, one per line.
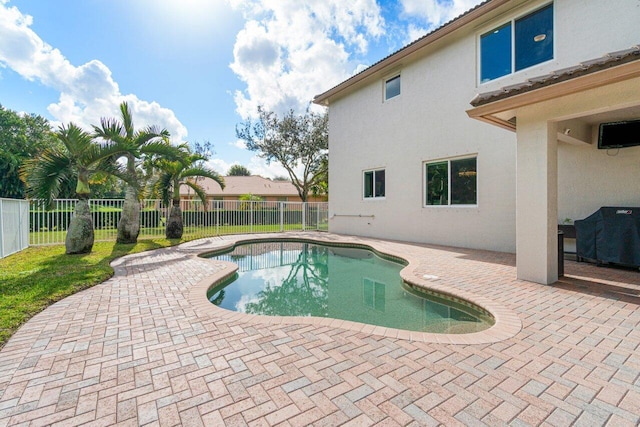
pixel 129 224
pixel 174 222
pixel 79 239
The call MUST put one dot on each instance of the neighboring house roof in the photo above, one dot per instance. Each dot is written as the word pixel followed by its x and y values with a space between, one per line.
pixel 467 17
pixel 239 185
pixel 607 61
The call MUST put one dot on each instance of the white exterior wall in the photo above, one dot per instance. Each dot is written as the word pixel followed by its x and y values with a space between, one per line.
pixel 428 122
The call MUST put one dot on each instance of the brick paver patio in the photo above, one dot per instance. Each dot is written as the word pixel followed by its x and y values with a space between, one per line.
pixel 143 349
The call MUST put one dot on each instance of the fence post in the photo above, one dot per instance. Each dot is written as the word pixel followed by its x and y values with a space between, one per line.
pixel 217 205
pixel 251 217
pixel 281 216
pixel 21 225
pixel 1 230
pixel 304 216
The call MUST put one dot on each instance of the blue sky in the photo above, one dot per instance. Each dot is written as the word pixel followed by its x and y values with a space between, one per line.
pixel 196 67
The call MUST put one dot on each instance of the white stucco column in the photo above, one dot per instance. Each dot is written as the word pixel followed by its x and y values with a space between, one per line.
pixel 536 199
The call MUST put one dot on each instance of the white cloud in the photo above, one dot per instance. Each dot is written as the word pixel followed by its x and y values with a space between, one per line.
pixel 291 50
pixel 257 166
pixel 219 165
pixel 239 144
pixel 415 32
pixel 87 92
pixel 434 13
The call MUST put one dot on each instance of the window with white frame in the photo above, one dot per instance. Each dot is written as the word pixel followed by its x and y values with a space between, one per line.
pixel 451 182
pixel 374 184
pixel 516 45
pixel 392 87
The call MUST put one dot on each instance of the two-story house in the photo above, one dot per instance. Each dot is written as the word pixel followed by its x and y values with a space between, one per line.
pixel 484 132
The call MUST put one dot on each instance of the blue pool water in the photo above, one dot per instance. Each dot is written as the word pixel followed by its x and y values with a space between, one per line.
pixel 288 278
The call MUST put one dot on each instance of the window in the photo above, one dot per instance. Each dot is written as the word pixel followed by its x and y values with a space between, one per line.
pixel 374 184
pixel 451 182
pixel 392 87
pixel 517 45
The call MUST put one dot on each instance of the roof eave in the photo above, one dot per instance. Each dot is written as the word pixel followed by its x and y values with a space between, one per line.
pixel 487 112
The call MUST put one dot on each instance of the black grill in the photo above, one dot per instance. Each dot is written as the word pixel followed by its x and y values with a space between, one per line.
pixel 610 235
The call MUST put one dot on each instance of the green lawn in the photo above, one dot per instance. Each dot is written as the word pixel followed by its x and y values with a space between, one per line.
pixel 32 279
pixel 190 232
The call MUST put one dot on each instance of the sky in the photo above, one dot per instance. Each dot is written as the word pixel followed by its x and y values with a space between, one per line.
pixel 197 67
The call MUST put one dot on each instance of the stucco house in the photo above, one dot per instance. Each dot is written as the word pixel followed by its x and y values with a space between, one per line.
pixel 236 186
pixel 484 132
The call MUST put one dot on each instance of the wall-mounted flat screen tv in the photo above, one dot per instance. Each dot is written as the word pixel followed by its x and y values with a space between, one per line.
pixel 619 134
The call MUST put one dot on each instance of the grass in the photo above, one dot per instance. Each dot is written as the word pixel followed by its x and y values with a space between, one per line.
pixel 190 232
pixel 33 279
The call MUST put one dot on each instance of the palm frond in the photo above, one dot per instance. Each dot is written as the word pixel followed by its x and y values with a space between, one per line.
pixel 110 166
pixel 74 139
pixel 127 120
pixel 164 184
pixel 160 148
pixel 113 149
pixel 46 174
pixel 195 172
pixel 110 130
pixel 198 190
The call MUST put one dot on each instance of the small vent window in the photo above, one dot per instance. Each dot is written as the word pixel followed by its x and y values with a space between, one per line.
pixel 392 88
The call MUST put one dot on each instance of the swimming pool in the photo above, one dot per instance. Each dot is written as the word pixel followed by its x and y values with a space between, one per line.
pixel 296 278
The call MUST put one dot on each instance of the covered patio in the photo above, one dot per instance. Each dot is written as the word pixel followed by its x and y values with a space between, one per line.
pixel 560 172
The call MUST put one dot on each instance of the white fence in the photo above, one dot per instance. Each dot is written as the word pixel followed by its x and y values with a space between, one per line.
pixel 216 218
pixel 14 226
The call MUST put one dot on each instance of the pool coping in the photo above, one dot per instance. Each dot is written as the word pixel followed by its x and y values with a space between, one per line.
pixel 507 323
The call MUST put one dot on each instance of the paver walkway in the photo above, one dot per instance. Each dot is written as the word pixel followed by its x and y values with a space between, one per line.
pixel 135 350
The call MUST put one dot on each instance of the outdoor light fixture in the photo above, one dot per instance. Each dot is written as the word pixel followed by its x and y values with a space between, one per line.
pixel 539 37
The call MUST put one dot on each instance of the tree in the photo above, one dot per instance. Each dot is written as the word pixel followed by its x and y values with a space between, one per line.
pixel 304 292
pixel 174 173
pixel 247 201
pixel 150 141
pixel 21 137
pixel 78 158
pixel 321 188
pixel 293 141
pixel 238 170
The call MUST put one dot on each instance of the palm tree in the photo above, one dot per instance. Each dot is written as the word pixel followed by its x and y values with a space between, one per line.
pixel 149 141
pixel 174 173
pixel 78 157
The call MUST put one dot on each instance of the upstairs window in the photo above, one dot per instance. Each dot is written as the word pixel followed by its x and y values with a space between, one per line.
pixel 374 184
pixel 517 45
pixel 392 87
pixel 451 182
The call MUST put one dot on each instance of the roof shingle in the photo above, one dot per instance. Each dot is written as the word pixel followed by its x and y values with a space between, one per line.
pixel 239 185
pixel 609 60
